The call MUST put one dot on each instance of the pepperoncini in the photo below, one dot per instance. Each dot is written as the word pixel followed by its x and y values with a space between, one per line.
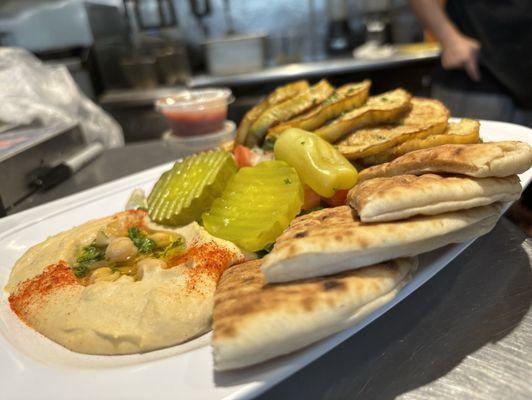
pixel 318 163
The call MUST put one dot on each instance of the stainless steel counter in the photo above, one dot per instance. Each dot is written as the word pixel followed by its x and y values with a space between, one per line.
pixel 317 69
pixel 465 334
pixel 311 70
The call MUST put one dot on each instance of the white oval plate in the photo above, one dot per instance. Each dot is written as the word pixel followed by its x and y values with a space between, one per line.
pixel 32 366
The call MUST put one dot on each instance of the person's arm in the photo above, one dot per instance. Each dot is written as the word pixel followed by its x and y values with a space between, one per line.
pixel 458 50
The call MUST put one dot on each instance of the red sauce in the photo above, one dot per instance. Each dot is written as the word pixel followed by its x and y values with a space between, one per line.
pixel 34 290
pixel 196 122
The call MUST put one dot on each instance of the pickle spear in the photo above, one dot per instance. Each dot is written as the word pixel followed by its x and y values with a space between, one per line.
pixel 345 98
pixel 277 96
pixel 189 188
pixel 287 109
pixel 256 206
pixel 384 108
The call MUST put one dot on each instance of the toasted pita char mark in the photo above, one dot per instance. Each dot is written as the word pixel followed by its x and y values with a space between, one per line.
pixel 403 196
pixel 254 321
pixel 481 160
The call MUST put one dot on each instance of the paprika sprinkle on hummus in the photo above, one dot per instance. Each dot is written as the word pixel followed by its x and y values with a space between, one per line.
pixel 32 291
pixel 209 259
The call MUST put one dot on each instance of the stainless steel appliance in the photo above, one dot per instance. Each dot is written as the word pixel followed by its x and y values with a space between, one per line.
pixel 29 151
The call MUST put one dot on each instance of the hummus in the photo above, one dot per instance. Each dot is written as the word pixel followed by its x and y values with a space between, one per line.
pixel 155 308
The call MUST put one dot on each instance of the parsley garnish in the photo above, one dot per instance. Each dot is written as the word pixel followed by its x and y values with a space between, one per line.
pixel 88 255
pixel 80 270
pixel 140 240
pixel 287 181
pixel 91 253
pixel 174 245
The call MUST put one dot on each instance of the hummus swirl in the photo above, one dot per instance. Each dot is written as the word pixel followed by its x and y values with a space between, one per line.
pixel 163 307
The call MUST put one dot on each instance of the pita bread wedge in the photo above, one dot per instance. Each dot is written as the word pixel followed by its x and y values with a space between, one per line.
pixel 279 95
pixel 385 108
pixel 462 132
pixel 343 99
pixel 333 240
pixel 287 109
pixel 403 196
pixel 427 117
pixel 254 321
pixel 479 160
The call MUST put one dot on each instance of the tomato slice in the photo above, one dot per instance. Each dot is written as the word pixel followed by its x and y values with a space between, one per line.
pixel 243 156
pixel 339 198
pixel 312 199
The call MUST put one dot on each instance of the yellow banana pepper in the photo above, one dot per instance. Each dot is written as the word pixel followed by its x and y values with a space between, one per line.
pixel 318 163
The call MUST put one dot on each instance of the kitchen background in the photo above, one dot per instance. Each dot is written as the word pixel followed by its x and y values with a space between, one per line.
pixel 125 54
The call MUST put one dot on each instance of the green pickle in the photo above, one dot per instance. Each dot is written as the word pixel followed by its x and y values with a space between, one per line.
pixel 183 193
pixel 256 206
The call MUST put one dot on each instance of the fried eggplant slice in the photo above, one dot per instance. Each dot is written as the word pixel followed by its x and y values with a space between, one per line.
pixel 426 117
pixel 385 108
pixel 463 132
pixel 345 98
pixel 288 109
pixel 279 95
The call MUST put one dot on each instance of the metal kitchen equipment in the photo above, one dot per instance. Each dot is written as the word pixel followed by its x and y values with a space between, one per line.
pixel 201 9
pixel 235 54
pixel 376 16
pixel 338 31
pixel 26 152
pixel 156 54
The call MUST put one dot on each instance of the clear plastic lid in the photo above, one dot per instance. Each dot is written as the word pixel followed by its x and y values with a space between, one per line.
pixel 197 99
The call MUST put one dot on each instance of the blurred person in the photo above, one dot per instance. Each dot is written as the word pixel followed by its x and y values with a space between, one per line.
pixel 486 57
pixel 486 65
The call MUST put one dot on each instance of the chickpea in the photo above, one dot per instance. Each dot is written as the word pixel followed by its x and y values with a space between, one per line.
pixel 149 263
pixel 102 239
pixel 161 239
pixel 120 249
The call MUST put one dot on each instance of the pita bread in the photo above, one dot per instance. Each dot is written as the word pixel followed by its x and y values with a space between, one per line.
pixel 345 98
pixel 333 240
pixel 479 160
pixel 279 95
pixel 254 322
pixel 288 109
pixel 403 196
pixel 427 117
pixel 385 108
pixel 462 132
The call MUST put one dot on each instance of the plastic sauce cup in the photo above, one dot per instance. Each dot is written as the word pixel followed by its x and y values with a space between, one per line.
pixel 196 112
